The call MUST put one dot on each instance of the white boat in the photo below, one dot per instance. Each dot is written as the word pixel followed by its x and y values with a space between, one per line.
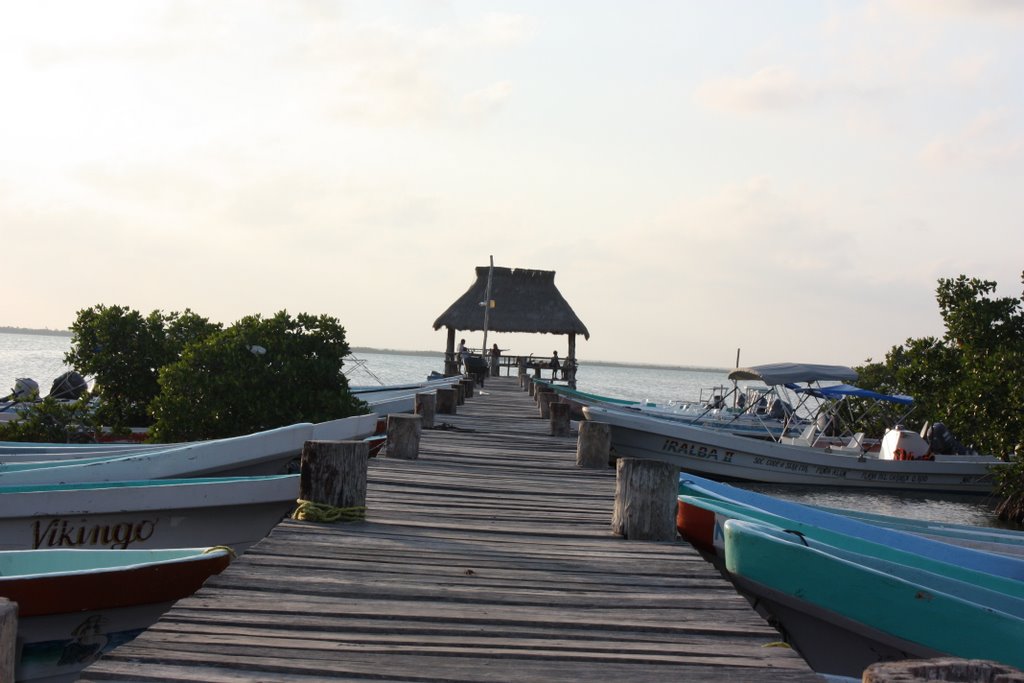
pixel 713 413
pixel 76 605
pixel 398 398
pixel 168 513
pixel 27 451
pixel 901 461
pixel 266 452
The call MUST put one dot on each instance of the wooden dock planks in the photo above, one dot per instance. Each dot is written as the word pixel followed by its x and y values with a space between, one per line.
pixel 487 559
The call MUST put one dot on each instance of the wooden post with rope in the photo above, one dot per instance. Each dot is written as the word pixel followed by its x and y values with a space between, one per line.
pixel 332 481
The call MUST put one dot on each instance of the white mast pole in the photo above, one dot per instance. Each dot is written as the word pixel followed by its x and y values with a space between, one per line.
pixel 487 306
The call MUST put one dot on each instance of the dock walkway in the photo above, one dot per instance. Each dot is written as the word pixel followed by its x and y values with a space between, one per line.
pixel 488 559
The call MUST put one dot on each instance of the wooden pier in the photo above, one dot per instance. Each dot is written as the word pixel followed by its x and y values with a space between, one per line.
pixel 487 559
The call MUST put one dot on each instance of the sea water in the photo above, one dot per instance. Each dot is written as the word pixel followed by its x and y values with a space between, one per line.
pixel 41 357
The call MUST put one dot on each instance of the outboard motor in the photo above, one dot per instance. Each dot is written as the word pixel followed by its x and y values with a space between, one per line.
pixel 25 389
pixel 69 386
pixel 943 441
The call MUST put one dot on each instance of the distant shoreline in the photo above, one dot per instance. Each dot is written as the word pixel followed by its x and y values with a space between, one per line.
pixel 400 352
pixel 32 330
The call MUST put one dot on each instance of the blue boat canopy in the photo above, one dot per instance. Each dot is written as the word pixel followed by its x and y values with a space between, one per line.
pixel 843 390
pixel 786 373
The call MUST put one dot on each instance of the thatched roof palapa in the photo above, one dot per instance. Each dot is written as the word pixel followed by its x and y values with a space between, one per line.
pixel 525 301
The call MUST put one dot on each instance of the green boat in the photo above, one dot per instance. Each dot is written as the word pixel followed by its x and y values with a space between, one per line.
pixel 843 610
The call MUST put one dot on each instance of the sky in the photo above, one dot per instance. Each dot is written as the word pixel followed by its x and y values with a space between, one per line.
pixel 787 179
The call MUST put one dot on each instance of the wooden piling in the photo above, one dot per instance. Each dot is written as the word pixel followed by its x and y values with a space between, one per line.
pixel 460 393
pixel 646 492
pixel 8 638
pixel 544 401
pixel 333 474
pixel 447 400
pixel 403 436
pixel 594 445
pixel 941 669
pixel 560 425
pixel 467 384
pixel 426 407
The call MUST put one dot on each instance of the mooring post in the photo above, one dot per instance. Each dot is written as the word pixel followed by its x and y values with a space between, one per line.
pixel 460 393
pixel 646 492
pixel 426 406
pixel 332 480
pixel 403 436
pixel 447 400
pixel 8 638
pixel 468 384
pixel 594 445
pixel 560 425
pixel 941 669
pixel 544 401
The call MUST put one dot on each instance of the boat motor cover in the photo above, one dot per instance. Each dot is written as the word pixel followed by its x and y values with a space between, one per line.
pixel 25 389
pixel 70 385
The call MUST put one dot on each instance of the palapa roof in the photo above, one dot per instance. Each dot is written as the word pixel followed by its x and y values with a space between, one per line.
pixel 525 301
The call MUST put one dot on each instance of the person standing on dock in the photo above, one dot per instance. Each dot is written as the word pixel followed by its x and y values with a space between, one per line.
pixel 495 355
pixel 554 365
pixel 463 353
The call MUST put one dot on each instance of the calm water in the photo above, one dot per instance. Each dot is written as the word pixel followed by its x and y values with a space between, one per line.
pixel 41 357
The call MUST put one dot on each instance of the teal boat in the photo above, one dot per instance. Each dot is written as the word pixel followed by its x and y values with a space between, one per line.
pixel 700 527
pixel 76 605
pixel 843 610
pixel 702 522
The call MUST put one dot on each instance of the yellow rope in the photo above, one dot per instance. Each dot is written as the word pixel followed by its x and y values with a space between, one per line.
pixel 215 548
pixel 309 511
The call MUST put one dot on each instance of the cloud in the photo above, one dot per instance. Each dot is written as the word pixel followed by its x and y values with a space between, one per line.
pixel 998 10
pixel 770 88
pixel 486 101
pixel 993 139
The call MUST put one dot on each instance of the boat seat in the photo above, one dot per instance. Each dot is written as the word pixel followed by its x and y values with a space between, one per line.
pixel 857 442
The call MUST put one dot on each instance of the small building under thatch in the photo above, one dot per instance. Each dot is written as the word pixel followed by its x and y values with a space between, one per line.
pixel 524 301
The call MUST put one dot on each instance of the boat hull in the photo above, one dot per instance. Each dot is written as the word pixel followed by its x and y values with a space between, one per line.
pixel 233 512
pixel 68 619
pixel 723 456
pixel 844 609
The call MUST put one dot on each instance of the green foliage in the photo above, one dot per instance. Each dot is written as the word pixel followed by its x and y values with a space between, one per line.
pixel 124 351
pixel 257 374
pixel 971 378
pixel 53 421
